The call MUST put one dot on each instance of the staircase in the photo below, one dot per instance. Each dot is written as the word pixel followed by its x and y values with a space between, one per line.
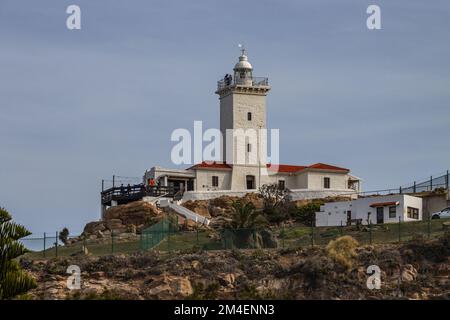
pixel 184 212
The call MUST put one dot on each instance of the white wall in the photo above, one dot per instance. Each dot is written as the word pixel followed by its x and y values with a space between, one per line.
pixel 333 213
pixel 203 181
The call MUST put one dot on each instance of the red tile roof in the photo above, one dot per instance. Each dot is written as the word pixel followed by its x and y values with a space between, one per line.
pixel 291 168
pixel 286 168
pixel 282 168
pixel 211 165
pixel 384 204
pixel 324 166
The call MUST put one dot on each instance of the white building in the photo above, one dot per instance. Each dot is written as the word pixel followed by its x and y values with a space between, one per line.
pixel 380 209
pixel 243 106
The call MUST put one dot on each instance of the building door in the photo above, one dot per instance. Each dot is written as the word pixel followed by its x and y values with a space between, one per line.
pixel 349 218
pixel 250 182
pixel 380 215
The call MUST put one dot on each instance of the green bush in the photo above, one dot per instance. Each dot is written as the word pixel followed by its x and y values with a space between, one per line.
pixel 306 214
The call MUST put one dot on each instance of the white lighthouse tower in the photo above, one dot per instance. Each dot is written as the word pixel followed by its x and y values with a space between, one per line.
pixel 242 107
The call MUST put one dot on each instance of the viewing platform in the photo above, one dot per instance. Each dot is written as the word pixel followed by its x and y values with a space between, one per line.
pixel 127 194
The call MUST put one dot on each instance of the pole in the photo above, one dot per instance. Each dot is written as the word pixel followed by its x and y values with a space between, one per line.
pixel 446 180
pixel 431 183
pixel 56 244
pixel 114 180
pixel 45 238
pixel 400 190
pixel 414 187
pixel 112 241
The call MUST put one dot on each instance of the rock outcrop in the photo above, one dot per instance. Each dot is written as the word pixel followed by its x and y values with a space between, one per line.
pixel 123 221
pixel 408 271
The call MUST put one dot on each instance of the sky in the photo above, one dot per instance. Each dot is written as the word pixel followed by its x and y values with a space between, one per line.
pixel 78 106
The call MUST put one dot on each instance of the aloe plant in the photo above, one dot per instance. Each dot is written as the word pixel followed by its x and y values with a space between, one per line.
pixel 13 280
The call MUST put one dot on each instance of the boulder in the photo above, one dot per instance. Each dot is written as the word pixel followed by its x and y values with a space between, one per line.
pixel 409 273
pixel 93 227
pixel 170 287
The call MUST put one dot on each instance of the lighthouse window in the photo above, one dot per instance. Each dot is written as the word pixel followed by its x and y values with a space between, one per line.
pixel 249 116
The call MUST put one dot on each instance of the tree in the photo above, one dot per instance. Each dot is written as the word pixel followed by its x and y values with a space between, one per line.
pixel 273 196
pixel 275 200
pixel 13 280
pixel 64 235
pixel 245 216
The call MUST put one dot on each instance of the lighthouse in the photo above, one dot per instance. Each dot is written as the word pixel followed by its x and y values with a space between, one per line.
pixel 243 106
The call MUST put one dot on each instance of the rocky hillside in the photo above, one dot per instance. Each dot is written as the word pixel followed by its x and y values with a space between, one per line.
pixel 418 270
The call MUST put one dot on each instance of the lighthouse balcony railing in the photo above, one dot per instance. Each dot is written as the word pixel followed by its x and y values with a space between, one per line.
pixel 255 82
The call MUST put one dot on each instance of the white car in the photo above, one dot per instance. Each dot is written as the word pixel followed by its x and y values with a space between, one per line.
pixel 444 213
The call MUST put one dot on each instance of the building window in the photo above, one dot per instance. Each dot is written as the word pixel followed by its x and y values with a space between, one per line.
pixel 215 181
pixel 392 212
pixel 413 213
pixel 281 185
pixel 249 147
pixel 326 183
pixel 249 116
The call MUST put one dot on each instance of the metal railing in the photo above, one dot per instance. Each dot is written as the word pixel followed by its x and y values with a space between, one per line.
pixel 255 82
pixel 137 192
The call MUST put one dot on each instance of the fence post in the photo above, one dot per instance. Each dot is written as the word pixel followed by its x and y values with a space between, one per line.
pixel 112 241
pixel 168 240
pixel 56 244
pixel 45 238
pixel 197 234
pixel 446 180
pixel 399 230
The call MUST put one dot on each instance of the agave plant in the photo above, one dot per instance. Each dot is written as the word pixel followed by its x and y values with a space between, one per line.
pixel 13 280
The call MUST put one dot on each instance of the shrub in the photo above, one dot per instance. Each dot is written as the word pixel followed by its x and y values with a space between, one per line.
pixel 307 214
pixel 342 250
pixel 64 235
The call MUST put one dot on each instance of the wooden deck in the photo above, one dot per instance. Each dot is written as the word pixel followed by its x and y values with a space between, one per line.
pixel 126 194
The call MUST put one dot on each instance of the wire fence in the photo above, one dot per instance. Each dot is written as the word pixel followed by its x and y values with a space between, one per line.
pixel 168 235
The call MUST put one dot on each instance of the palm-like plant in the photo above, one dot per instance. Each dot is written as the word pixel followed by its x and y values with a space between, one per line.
pixel 13 280
pixel 244 215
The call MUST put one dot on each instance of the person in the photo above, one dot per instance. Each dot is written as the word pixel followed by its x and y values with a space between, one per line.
pixel 128 188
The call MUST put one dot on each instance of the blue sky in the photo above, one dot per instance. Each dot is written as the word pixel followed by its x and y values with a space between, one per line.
pixel 79 106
